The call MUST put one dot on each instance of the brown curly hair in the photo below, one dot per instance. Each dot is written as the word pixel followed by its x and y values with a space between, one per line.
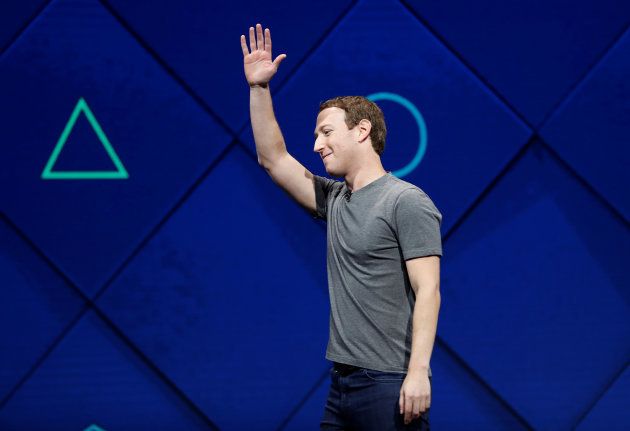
pixel 358 108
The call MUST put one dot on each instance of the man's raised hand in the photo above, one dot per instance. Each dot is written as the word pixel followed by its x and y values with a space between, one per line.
pixel 259 69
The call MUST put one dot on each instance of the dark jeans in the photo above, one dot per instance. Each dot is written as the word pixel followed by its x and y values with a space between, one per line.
pixel 361 399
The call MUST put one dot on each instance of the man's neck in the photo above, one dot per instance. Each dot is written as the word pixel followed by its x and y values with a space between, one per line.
pixel 364 176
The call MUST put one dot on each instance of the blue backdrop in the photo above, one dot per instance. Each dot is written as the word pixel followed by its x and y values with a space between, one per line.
pixel 153 276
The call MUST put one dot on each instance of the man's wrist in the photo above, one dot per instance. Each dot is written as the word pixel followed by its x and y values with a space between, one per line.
pixel 418 369
pixel 260 85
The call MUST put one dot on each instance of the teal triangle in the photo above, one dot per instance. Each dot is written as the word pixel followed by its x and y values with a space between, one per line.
pixel 49 174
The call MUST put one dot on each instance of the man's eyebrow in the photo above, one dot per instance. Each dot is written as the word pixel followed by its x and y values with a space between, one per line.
pixel 320 128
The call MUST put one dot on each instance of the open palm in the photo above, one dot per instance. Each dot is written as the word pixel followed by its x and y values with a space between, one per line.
pixel 259 68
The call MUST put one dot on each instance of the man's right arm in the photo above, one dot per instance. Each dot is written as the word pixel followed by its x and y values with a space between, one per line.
pixel 272 153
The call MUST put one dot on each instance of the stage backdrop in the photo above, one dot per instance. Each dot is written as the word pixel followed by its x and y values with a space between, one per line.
pixel 153 276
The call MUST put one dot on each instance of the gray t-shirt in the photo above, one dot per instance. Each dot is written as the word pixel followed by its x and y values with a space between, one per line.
pixel 371 233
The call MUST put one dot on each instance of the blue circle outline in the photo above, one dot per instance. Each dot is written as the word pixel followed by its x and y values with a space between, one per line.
pixel 422 127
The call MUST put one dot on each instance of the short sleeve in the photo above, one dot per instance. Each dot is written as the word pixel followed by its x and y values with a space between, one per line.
pixel 417 223
pixel 323 187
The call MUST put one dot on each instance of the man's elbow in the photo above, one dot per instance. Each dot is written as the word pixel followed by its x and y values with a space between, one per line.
pixel 428 289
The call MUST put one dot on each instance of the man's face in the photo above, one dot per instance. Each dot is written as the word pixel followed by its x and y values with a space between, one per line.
pixel 334 141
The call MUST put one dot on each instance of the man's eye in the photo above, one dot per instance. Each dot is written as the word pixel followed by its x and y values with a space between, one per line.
pixel 327 132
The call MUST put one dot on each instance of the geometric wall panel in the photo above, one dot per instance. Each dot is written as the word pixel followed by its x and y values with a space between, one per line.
pixel 200 42
pixel 591 130
pixel 536 292
pixel 13 16
pixel 531 51
pixel 213 310
pixel 92 377
pixel 229 298
pixel 469 131
pixel 35 306
pixel 163 138
pixel 459 401
pixel 310 414
pixel 611 412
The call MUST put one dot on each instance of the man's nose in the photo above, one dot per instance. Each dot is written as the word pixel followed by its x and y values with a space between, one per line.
pixel 318 147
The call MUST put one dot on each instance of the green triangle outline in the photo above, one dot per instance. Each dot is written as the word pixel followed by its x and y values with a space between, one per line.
pixel 119 174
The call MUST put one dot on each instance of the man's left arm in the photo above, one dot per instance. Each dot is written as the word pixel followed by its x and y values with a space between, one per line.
pixel 415 393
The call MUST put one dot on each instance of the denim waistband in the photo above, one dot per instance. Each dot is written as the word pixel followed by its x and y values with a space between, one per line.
pixel 344 369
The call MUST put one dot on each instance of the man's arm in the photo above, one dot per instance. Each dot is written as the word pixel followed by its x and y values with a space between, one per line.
pixel 272 153
pixel 424 276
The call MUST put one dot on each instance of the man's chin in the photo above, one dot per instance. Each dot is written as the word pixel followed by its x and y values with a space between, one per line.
pixel 330 171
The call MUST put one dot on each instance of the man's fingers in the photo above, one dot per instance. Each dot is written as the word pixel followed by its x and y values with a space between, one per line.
pixel 426 402
pixel 401 402
pixel 252 39
pixel 408 409
pixel 260 43
pixel 268 41
pixel 244 45
pixel 417 407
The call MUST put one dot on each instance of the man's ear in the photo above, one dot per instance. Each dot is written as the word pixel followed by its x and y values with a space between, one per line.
pixel 364 127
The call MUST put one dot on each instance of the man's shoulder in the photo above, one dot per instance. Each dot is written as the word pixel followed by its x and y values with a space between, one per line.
pixel 409 197
pixel 401 189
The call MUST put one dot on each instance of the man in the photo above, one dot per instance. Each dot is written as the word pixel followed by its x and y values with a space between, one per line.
pixel 384 251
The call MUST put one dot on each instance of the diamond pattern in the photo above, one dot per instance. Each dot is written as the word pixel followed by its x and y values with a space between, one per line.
pixel 214 281
pixel 94 378
pixel 163 138
pixel 200 301
pixel 15 15
pixel 560 290
pixel 610 412
pixel 210 61
pixel 532 52
pixel 598 147
pixel 36 300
